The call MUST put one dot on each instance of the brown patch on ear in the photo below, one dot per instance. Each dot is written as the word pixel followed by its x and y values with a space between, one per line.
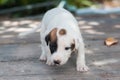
pixel 53 35
pixel 62 32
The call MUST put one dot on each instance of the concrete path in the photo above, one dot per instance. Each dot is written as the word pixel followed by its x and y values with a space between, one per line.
pixel 19 57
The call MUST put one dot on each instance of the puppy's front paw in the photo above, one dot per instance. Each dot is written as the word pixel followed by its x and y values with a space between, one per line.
pixel 43 58
pixel 82 68
pixel 49 62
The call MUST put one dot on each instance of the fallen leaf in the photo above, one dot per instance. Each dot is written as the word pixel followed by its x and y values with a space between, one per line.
pixel 110 41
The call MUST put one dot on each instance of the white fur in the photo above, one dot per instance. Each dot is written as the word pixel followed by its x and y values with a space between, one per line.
pixel 62 19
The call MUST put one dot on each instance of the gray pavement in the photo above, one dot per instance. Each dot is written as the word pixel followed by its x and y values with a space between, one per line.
pixel 19 57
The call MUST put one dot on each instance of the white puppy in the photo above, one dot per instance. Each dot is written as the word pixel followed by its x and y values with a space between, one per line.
pixel 60 36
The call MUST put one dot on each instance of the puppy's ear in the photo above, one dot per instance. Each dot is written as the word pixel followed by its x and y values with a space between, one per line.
pixel 73 47
pixel 47 39
pixel 52 36
pixel 62 32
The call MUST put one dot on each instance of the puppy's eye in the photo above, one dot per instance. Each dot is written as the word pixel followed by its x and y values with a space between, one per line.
pixel 67 48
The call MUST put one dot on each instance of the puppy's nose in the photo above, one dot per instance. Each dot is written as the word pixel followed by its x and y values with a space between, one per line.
pixel 57 61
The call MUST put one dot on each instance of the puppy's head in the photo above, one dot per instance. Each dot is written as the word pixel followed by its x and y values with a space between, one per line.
pixel 61 45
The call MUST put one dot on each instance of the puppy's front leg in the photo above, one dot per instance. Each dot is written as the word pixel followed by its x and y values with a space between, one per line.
pixel 46 55
pixel 81 65
pixel 49 61
pixel 43 56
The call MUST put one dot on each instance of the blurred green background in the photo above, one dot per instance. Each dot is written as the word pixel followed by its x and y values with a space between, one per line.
pixel 9 4
pixel 15 3
pixel 12 3
pixel 21 8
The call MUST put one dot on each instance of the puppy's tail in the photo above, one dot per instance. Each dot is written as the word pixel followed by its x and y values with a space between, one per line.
pixel 61 4
pixel 22 35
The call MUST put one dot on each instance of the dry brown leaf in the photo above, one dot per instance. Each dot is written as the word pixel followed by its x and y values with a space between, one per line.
pixel 110 41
